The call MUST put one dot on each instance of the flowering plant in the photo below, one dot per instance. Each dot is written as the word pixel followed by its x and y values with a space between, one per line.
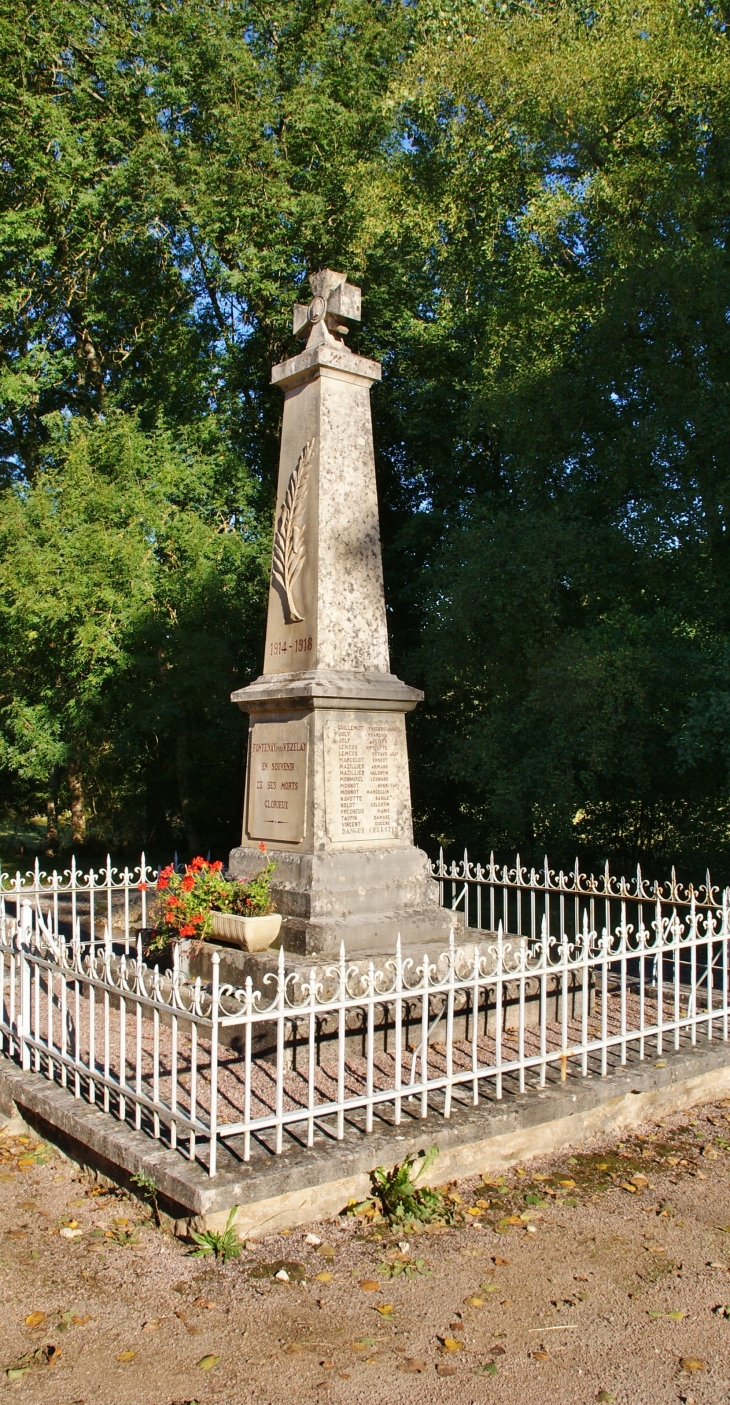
pixel 187 899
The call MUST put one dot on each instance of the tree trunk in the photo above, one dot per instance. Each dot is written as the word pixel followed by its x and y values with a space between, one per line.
pixel 52 815
pixel 78 809
pixel 183 790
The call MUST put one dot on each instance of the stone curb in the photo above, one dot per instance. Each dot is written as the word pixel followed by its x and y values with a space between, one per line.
pixel 306 1184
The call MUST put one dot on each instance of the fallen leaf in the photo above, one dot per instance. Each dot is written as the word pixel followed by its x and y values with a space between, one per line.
pixel 323 1277
pixel 153 1325
pixel 474 1302
pixel 206 1363
pixel 69 1233
pixel 497 1351
pixel 486 1368
pixel 676 1316
pixel 413 1365
pixel 627 1185
pixel 82 1321
pixel 567 1185
pixel 540 1355
pixel 294 1349
pixel 328 1250
pixel 34 1319
pixel 126 1355
pixel 204 1302
pixel 15 1233
pixel 451 1344
pixel 369 1285
pixel 691 1363
pixel 385 1309
pixel 445 1369
pixel 501 1263
pixel 604 1397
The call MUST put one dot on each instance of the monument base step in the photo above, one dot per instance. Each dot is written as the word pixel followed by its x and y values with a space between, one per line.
pixel 236 964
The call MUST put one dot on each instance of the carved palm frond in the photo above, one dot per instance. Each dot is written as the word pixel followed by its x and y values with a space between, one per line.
pixel 289 539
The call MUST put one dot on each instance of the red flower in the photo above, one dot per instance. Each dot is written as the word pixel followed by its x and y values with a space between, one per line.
pixel 217 866
pixel 167 872
pixel 163 882
pixel 187 883
pixel 197 917
pixel 142 887
pixel 262 847
pixel 196 865
pixel 187 930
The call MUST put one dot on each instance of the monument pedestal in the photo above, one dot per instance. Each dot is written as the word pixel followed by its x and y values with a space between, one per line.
pixel 327 786
pixel 364 899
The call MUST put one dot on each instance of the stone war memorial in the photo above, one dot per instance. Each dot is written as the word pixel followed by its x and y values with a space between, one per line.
pixel 327 785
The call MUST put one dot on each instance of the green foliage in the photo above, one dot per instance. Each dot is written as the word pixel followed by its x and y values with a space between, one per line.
pixel 223 1244
pixel 145 1183
pixel 124 575
pixel 190 897
pixel 252 898
pixel 398 1197
pixel 412 1268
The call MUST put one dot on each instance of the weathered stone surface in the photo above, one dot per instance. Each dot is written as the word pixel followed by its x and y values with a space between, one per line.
pixel 303 1185
pixel 326 679
pixel 277 787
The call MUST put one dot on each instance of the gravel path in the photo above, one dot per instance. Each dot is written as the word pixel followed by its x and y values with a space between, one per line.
pixel 231 1069
pixel 601 1276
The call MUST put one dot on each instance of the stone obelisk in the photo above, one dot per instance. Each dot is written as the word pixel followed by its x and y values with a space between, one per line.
pixel 327 787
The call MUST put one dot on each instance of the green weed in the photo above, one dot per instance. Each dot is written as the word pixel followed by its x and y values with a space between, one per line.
pixel 399 1199
pixel 223 1244
pixel 146 1185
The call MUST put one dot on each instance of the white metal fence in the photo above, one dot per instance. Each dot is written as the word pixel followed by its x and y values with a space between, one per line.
pixel 202 1066
pixel 526 901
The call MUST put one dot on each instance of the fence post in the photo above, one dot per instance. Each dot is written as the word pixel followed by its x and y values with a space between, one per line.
pixel 214 1065
pixel 25 932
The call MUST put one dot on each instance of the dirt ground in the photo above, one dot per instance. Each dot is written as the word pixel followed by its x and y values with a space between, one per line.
pixel 598 1276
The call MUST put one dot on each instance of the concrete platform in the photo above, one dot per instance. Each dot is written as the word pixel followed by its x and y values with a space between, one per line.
pixel 304 1185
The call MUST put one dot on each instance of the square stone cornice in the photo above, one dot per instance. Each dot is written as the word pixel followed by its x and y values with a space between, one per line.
pixel 324 360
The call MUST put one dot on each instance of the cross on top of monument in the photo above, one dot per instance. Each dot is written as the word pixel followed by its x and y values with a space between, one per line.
pixel 335 304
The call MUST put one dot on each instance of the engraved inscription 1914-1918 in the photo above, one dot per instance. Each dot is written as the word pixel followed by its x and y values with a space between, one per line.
pixel 361 780
pixel 277 781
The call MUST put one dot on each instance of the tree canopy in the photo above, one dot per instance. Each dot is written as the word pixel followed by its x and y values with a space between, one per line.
pixel 534 198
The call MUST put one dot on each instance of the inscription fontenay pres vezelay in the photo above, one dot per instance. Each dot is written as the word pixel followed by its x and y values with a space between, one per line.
pixel 360 766
pixel 277 781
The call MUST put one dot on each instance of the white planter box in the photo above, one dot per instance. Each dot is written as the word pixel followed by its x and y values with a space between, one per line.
pixel 252 933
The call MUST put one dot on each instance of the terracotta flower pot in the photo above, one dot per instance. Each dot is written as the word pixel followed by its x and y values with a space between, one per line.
pixel 252 933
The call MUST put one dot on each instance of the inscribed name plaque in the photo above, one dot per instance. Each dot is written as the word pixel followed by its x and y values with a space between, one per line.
pixel 360 767
pixel 277 780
